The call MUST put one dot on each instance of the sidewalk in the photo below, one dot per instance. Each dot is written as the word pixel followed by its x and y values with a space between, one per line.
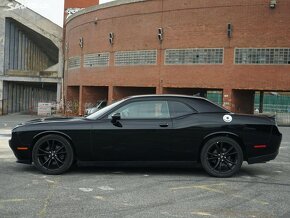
pixel 8 122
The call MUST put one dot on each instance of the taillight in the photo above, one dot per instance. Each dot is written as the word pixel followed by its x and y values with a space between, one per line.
pixel 260 146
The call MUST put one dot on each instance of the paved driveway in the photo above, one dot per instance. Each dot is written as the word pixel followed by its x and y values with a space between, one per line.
pixel 261 190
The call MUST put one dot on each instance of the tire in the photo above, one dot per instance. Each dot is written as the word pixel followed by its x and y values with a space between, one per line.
pixel 52 154
pixel 221 157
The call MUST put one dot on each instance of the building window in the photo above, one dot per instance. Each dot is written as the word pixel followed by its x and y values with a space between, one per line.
pixel 96 60
pixel 194 56
pixel 262 56
pixel 74 62
pixel 127 58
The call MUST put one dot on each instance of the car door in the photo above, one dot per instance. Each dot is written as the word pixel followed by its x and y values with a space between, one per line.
pixel 186 132
pixel 141 134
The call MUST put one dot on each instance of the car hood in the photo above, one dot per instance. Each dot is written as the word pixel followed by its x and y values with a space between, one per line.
pixel 54 119
pixel 47 120
pixel 50 119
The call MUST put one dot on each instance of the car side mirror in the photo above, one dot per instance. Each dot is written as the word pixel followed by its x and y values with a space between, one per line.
pixel 116 117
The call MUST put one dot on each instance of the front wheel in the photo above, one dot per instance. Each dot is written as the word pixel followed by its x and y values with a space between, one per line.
pixel 52 154
pixel 221 157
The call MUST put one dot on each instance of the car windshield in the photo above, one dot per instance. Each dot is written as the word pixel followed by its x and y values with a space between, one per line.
pixel 102 111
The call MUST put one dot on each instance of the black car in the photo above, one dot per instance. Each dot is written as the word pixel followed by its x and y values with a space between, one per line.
pixel 149 129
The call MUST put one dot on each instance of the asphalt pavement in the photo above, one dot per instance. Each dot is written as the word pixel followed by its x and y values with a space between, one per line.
pixel 259 190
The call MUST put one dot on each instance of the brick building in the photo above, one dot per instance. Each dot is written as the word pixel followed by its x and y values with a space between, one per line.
pixel 128 47
pixel 72 6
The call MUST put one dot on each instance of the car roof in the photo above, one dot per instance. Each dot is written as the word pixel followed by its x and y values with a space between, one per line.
pixel 204 105
pixel 165 95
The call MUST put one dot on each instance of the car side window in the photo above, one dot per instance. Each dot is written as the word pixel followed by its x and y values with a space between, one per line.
pixel 144 110
pixel 178 109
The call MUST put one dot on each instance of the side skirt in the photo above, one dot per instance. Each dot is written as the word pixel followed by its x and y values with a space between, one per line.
pixel 138 163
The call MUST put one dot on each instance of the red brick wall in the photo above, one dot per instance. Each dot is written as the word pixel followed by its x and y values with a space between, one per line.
pixel 91 94
pixel 73 93
pixel 79 3
pixel 72 98
pixel 121 92
pixel 188 24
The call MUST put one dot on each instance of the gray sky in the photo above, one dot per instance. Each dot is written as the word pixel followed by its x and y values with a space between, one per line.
pixel 51 9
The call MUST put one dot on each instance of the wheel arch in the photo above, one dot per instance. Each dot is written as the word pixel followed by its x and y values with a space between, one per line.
pixel 45 133
pixel 231 135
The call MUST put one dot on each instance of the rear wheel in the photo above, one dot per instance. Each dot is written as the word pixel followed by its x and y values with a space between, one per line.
pixel 52 154
pixel 221 157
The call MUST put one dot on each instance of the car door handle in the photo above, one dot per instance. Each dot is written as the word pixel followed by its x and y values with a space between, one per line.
pixel 163 124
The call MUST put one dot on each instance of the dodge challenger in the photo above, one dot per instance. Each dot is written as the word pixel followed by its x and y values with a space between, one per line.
pixel 149 129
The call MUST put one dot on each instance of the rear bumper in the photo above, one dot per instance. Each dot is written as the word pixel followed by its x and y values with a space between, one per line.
pixel 263 158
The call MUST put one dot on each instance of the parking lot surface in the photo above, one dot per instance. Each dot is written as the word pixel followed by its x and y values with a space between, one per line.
pixel 259 190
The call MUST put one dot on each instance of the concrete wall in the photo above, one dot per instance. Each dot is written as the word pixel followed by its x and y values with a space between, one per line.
pixel 25 97
pixel 26 52
pixel 23 53
pixel 33 21
pixel 2 43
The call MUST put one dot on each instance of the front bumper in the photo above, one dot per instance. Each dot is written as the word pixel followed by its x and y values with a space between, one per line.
pixel 22 156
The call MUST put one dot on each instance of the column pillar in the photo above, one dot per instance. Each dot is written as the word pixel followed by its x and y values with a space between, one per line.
pixel 261 108
pixel 59 96
pixel 110 94
pixel 81 101
pixel 1 96
pixel 227 99
pixel 159 89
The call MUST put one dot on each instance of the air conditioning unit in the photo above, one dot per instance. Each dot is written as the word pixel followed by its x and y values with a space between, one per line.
pixel 160 34
pixel 229 30
pixel 81 42
pixel 111 38
pixel 273 3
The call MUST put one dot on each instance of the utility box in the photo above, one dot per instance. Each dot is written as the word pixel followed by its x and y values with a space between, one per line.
pixel 44 109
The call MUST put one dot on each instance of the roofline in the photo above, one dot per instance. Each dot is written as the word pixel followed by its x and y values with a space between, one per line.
pixel 101 6
pixel 165 95
pixel 177 96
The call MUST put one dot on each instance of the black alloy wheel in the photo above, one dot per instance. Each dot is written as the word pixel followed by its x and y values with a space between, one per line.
pixel 52 154
pixel 221 157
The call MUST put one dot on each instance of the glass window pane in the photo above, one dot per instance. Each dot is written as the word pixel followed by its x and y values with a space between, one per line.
pixel 262 56
pixel 194 56
pixel 144 110
pixel 180 109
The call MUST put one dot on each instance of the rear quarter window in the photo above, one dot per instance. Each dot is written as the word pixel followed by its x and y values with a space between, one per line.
pixel 205 106
pixel 178 109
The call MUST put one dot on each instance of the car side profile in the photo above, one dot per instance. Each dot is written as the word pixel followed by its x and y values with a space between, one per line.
pixel 154 129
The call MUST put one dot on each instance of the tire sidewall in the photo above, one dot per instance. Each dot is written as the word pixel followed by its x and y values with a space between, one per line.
pixel 205 164
pixel 69 156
